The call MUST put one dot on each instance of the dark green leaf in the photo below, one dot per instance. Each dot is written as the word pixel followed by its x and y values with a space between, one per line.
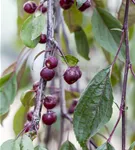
pixel 71 60
pixel 94 109
pixel 27 98
pixel 39 147
pixel 102 23
pixel 26 33
pixel 131 14
pixel 82 43
pixel 73 18
pixel 106 146
pixel 22 143
pixel 19 119
pixel 38 25
pixel 67 146
pixel 7 94
pixel 132 146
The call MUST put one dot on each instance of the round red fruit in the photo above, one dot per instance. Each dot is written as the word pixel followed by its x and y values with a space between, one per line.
pixel 42 38
pixel 50 101
pixel 66 4
pixel 29 115
pixel 51 62
pixel 42 8
pixel 49 118
pixel 47 74
pixel 72 74
pixel 30 7
pixel 86 5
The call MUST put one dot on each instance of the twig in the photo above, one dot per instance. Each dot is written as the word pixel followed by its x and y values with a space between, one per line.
pixel 133 1
pixel 131 69
pixel 92 143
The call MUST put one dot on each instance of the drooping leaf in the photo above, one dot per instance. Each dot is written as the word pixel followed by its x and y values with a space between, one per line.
pixel 82 43
pixel 131 14
pixel 39 147
pixel 102 23
pixel 71 60
pixel 19 119
pixel 100 3
pixel 7 94
pixel 26 33
pixel 38 25
pixel 67 146
pixel 132 146
pixel 106 146
pixel 22 143
pixel 27 98
pixel 94 109
pixel 73 18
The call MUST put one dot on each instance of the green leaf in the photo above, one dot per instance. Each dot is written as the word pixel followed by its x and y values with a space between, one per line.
pixel 106 146
pixel 26 33
pixel 22 143
pixel 132 146
pixel 38 25
pixel 7 94
pixel 94 109
pixel 82 43
pixel 80 3
pixel 73 18
pixel 67 146
pixel 27 98
pixel 71 60
pixel 131 14
pixel 100 3
pixel 19 119
pixel 39 147
pixel 102 23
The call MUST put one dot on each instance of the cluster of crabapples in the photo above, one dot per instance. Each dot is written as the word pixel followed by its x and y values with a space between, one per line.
pixel 30 6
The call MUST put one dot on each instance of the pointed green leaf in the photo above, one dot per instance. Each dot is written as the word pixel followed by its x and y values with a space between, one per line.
pixel 100 3
pixel 106 146
pixel 26 33
pixel 39 147
pixel 82 43
pixel 38 25
pixel 71 60
pixel 132 146
pixel 7 94
pixel 73 18
pixel 94 109
pixel 22 143
pixel 27 98
pixel 131 14
pixel 19 119
pixel 67 146
pixel 102 23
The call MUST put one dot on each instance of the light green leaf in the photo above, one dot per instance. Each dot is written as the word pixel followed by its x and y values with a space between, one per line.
pixel 100 3
pixel 19 119
pixel 131 14
pixel 7 94
pixel 22 143
pixel 39 147
pixel 102 23
pixel 132 146
pixel 26 33
pixel 71 60
pixel 27 98
pixel 38 25
pixel 73 18
pixel 106 146
pixel 94 109
pixel 67 146
pixel 82 43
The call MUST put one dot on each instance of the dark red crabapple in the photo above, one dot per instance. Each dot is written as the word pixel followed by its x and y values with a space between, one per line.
pixel 66 4
pixel 47 74
pixel 29 115
pixel 35 86
pixel 42 38
pixel 86 5
pixel 42 8
pixel 72 74
pixel 49 118
pixel 50 101
pixel 30 7
pixel 51 62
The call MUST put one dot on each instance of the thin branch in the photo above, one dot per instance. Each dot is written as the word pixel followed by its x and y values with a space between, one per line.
pixel 133 1
pixel 131 69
